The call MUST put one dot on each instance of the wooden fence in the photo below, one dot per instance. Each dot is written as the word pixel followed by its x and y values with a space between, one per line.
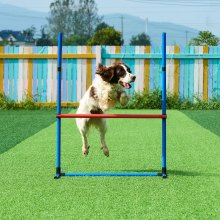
pixel 32 71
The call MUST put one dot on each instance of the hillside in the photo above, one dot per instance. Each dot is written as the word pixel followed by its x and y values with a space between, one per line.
pixel 18 18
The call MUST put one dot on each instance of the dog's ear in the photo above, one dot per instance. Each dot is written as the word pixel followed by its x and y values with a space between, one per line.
pixel 106 73
pixel 100 66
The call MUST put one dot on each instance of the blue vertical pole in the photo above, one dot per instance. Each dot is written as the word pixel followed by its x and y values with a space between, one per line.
pixel 58 120
pixel 164 104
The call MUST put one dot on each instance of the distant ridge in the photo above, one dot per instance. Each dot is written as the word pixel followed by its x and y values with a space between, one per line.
pixel 176 34
pixel 18 18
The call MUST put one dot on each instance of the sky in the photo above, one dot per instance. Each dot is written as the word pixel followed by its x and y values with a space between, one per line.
pixel 199 14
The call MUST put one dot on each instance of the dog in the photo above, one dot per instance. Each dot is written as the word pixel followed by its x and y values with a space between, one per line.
pixel 107 89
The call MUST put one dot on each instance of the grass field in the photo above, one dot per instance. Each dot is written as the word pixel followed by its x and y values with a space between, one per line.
pixel 27 163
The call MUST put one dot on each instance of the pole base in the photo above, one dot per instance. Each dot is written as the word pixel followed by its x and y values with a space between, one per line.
pixel 57 177
pixel 164 172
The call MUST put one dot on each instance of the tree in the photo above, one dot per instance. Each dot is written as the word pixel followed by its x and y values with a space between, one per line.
pixel 45 39
pixel 101 26
pixel 205 38
pixel 3 43
pixel 73 17
pixel 75 40
pixel 89 13
pixel 29 34
pixel 106 36
pixel 141 40
pixel 61 12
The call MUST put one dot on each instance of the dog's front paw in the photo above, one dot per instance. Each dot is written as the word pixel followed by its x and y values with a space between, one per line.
pixel 85 151
pixel 124 99
pixel 105 151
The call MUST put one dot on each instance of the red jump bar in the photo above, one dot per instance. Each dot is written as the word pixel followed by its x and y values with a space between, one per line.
pixel 111 116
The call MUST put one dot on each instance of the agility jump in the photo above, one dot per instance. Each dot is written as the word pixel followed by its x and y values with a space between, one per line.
pixel 59 116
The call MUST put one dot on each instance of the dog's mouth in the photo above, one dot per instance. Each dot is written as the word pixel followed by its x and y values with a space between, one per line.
pixel 125 85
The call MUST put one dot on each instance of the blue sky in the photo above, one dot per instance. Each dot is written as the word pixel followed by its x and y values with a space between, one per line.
pixel 204 17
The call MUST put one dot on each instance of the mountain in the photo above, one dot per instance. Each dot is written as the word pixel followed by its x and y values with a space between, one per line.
pixel 176 34
pixel 18 18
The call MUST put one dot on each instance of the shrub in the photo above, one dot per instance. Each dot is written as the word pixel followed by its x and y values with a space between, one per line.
pixel 152 100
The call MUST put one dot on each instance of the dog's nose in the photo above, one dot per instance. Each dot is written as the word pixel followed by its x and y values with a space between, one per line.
pixel 133 78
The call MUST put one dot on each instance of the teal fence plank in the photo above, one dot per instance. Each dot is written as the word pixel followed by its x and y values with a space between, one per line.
pixel 215 73
pixel 65 68
pixel 186 75
pixel 218 70
pixel 69 76
pixel 210 76
pixel 181 78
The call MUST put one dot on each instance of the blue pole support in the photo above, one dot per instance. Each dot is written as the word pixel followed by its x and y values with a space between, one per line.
pixel 58 120
pixel 164 174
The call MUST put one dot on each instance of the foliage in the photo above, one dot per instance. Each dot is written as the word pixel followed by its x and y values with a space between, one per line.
pixel 29 104
pixel 29 34
pixel 75 40
pixel 205 38
pixel 141 40
pixel 3 43
pixel 152 100
pixel 73 18
pixel 107 36
pixel 45 39
pixel 101 26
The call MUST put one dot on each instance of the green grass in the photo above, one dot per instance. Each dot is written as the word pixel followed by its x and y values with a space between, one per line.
pixel 18 125
pixel 192 190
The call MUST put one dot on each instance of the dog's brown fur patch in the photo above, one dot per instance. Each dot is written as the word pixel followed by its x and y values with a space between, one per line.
pixel 92 92
pixel 96 111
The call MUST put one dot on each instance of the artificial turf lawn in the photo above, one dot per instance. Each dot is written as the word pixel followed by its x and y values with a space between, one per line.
pixel 16 126
pixel 192 190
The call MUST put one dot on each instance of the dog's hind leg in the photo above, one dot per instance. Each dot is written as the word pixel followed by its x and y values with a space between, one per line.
pixel 85 146
pixel 83 129
pixel 102 130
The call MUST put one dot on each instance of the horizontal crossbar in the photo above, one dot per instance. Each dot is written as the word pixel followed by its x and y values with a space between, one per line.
pixel 158 56
pixel 112 174
pixel 111 116
pixel 47 56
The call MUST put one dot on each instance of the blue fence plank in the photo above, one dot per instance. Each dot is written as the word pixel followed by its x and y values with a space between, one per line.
pixel 74 73
pixel 93 62
pixel 11 73
pixel 191 75
pixel 15 98
pixel 44 75
pixel 35 65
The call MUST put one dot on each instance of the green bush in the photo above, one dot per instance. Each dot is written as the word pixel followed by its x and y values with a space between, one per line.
pixel 152 100
pixel 5 103
pixel 145 100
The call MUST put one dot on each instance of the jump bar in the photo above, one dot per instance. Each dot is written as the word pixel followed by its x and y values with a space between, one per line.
pixel 111 116
pixel 112 174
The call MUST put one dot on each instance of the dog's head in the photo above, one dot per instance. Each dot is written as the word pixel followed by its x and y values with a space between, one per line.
pixel 117 73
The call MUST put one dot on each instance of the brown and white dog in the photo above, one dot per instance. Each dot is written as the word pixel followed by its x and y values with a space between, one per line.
pixel 106 90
